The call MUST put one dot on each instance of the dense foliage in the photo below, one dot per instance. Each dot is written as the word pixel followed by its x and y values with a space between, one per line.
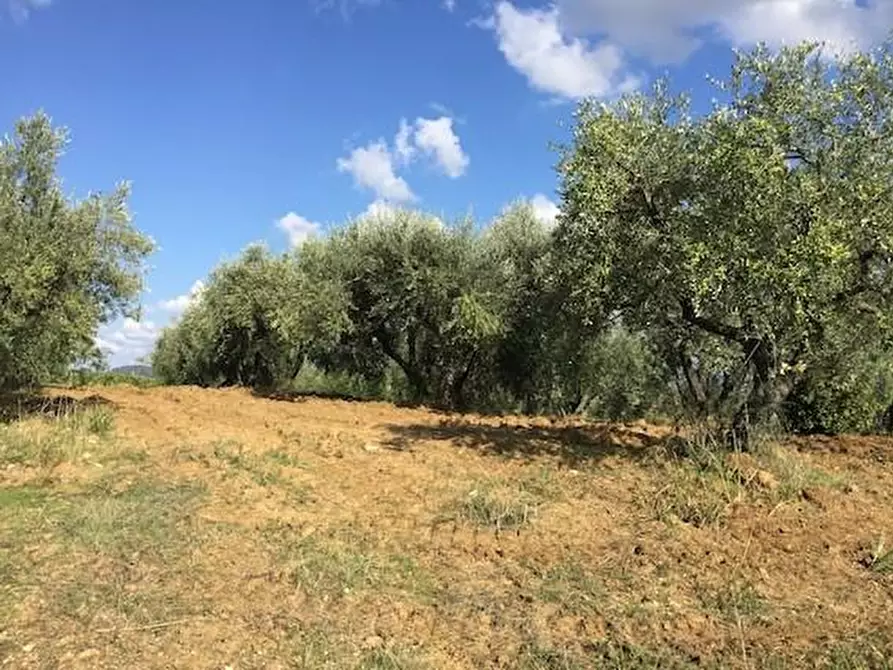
pixel 430 312
pixel 753 242
pixel 65 267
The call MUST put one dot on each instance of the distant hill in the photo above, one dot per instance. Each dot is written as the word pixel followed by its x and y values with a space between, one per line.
pixel 136 370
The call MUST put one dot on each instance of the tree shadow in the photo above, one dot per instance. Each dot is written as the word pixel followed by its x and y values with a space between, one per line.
pixel 303 396
pixel 572 446
pixel 19 406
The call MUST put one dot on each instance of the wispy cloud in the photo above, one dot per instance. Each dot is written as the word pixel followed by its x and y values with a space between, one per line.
pixel 20 10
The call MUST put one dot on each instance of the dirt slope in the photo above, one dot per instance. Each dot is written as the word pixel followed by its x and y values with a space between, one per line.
pixel 214 529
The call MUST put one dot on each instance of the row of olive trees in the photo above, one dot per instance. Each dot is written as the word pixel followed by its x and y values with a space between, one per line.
pixel 746 252
pixel 65 266
pixel 440 314
pixel 740 257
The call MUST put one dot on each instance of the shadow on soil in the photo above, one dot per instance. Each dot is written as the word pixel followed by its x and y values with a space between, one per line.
pixel 18 406
pixel 570 445
pixel 303 396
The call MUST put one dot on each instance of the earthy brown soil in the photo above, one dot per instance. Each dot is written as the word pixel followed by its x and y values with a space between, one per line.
pixel 346 534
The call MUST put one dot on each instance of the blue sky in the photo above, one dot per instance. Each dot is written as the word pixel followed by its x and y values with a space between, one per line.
pixel 267 120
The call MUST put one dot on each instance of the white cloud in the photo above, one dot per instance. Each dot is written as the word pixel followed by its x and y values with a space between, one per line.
pixel 126 341
pixel 375 165
pixel 449 5
pixel 178 305
pixel 378 208
pixel 372 167
pixel 544 209
pixel 668 31
pixel 532 42
pixel 436 137
pixel 297 228
pixel 578 48
pixel 843 24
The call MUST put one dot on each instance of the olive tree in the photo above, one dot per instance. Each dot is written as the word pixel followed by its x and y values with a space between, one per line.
pixel 746 236
pixel 65 266
pixel 249 326
pixel 416 296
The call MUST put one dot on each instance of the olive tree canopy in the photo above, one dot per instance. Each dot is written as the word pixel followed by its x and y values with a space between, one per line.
pixel 65 266
pixel 750 239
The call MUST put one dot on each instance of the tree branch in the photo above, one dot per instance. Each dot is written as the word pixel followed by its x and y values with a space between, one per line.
pixel 713 326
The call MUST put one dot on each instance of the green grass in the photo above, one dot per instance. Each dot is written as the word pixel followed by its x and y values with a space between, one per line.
pixel 233 454
pixel 22 510
pixel 90 598
pixel 82 378
pixel 569 585
pixel 265 470
pixel 535 657
pixel 793 474
pixel 147 518
pixel 85 550
pixel 736 602
pixel 343 562
pixel 866 652
pixel 134 456
pixel 615 655
pixel 880 558
pixel 283 458
pixel 390 659
pixel 861 654
pixel 313 649
pixel 700 480
pixel 18 497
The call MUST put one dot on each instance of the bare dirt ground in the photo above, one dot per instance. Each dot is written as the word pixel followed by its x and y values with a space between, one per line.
pixel 189 528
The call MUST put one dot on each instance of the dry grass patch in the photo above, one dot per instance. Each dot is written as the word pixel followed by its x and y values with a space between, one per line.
pixel 501 504
pixel 700 482
pixel 606 654
pixel 41 442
